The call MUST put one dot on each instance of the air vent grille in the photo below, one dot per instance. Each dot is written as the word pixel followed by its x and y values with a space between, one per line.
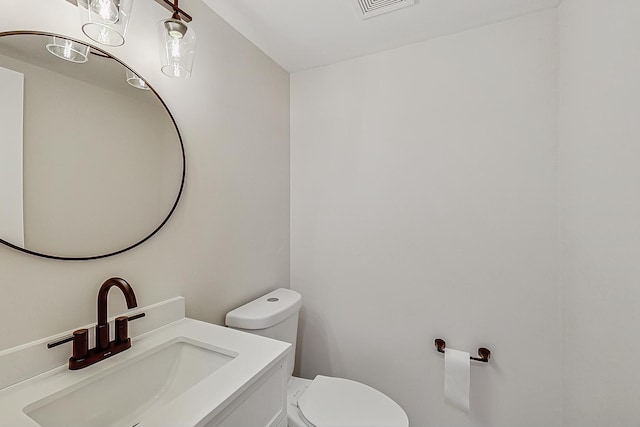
pixel 370 8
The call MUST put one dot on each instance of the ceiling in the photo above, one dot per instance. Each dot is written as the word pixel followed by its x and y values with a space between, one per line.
pixel 302 34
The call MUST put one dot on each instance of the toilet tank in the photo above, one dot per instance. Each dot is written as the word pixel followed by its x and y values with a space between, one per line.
pixel 274 315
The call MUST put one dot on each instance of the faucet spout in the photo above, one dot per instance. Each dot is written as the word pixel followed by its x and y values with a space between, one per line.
pixel 84 356
pixel 126 289
pixel 102 328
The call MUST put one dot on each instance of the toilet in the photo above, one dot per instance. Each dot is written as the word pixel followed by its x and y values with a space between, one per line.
pixel 323 401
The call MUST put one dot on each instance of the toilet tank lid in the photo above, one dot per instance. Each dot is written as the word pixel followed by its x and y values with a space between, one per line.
pixel 266 311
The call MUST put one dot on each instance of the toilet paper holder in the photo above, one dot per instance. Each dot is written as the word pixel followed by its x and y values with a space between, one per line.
pixel 483 353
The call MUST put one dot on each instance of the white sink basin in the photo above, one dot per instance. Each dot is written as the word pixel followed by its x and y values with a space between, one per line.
pixel 187 373
pixel 134 388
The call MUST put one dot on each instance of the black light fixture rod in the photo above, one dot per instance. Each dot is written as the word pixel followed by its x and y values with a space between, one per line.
pixel 166 3
pixel 173 7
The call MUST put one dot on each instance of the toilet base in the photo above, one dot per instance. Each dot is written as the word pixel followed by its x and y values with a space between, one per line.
pixel 295 388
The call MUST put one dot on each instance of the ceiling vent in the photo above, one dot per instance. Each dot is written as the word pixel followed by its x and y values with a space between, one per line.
pixel 369 8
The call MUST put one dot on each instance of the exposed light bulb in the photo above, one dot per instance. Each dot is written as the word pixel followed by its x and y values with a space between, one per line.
pixel 67 49
pixel 108 10
pixel 177 71
pixel 173 49
pixel 104 35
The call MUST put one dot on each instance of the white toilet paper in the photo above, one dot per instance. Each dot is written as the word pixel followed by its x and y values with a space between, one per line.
pixel 457 378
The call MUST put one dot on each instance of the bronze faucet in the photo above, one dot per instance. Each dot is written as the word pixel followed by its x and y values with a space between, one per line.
pixel 82 355
pixel 102 328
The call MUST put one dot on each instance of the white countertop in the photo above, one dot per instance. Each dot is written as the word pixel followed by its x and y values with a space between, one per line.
pixel 254 355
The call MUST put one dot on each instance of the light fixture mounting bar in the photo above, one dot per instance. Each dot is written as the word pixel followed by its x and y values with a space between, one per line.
pixel 174 8
pixel 166 3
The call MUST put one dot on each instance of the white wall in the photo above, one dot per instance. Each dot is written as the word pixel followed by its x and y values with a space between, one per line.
pixel 228 241
pixel 600 205
pixel 424 205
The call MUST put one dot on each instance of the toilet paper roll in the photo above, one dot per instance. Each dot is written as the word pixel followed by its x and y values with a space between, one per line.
pixel 457 378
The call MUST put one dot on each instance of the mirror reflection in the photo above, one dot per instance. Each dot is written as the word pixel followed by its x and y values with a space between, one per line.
pixel 91 162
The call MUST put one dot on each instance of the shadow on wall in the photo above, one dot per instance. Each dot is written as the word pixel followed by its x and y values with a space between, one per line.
pixel 319 356
pixel 482 398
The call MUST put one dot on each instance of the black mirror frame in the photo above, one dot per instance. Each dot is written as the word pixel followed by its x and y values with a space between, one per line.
pixel 184 161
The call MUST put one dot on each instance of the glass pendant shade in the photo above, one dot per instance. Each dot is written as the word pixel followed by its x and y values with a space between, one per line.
pixel 68 50
pixel 105 21
pixel 136 81
pixel 177 44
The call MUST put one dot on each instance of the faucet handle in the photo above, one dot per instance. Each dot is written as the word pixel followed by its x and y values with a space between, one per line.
pixel 122 329
pixel 80 344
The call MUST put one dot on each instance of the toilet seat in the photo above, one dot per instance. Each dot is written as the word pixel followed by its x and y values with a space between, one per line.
pixel 338 402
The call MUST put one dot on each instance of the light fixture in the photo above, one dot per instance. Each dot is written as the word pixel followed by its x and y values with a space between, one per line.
pixel 134 80
pixel 177 43
pixel 68 50
pixel 105 21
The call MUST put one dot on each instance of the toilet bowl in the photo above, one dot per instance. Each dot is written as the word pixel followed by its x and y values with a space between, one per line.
pixel 323 401
pixel 338 402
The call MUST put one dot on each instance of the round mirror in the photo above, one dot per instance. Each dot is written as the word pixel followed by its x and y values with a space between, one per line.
pixel 91 161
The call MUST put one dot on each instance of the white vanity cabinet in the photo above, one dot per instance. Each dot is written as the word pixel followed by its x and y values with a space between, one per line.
pixel 185 373
pixel 262 405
